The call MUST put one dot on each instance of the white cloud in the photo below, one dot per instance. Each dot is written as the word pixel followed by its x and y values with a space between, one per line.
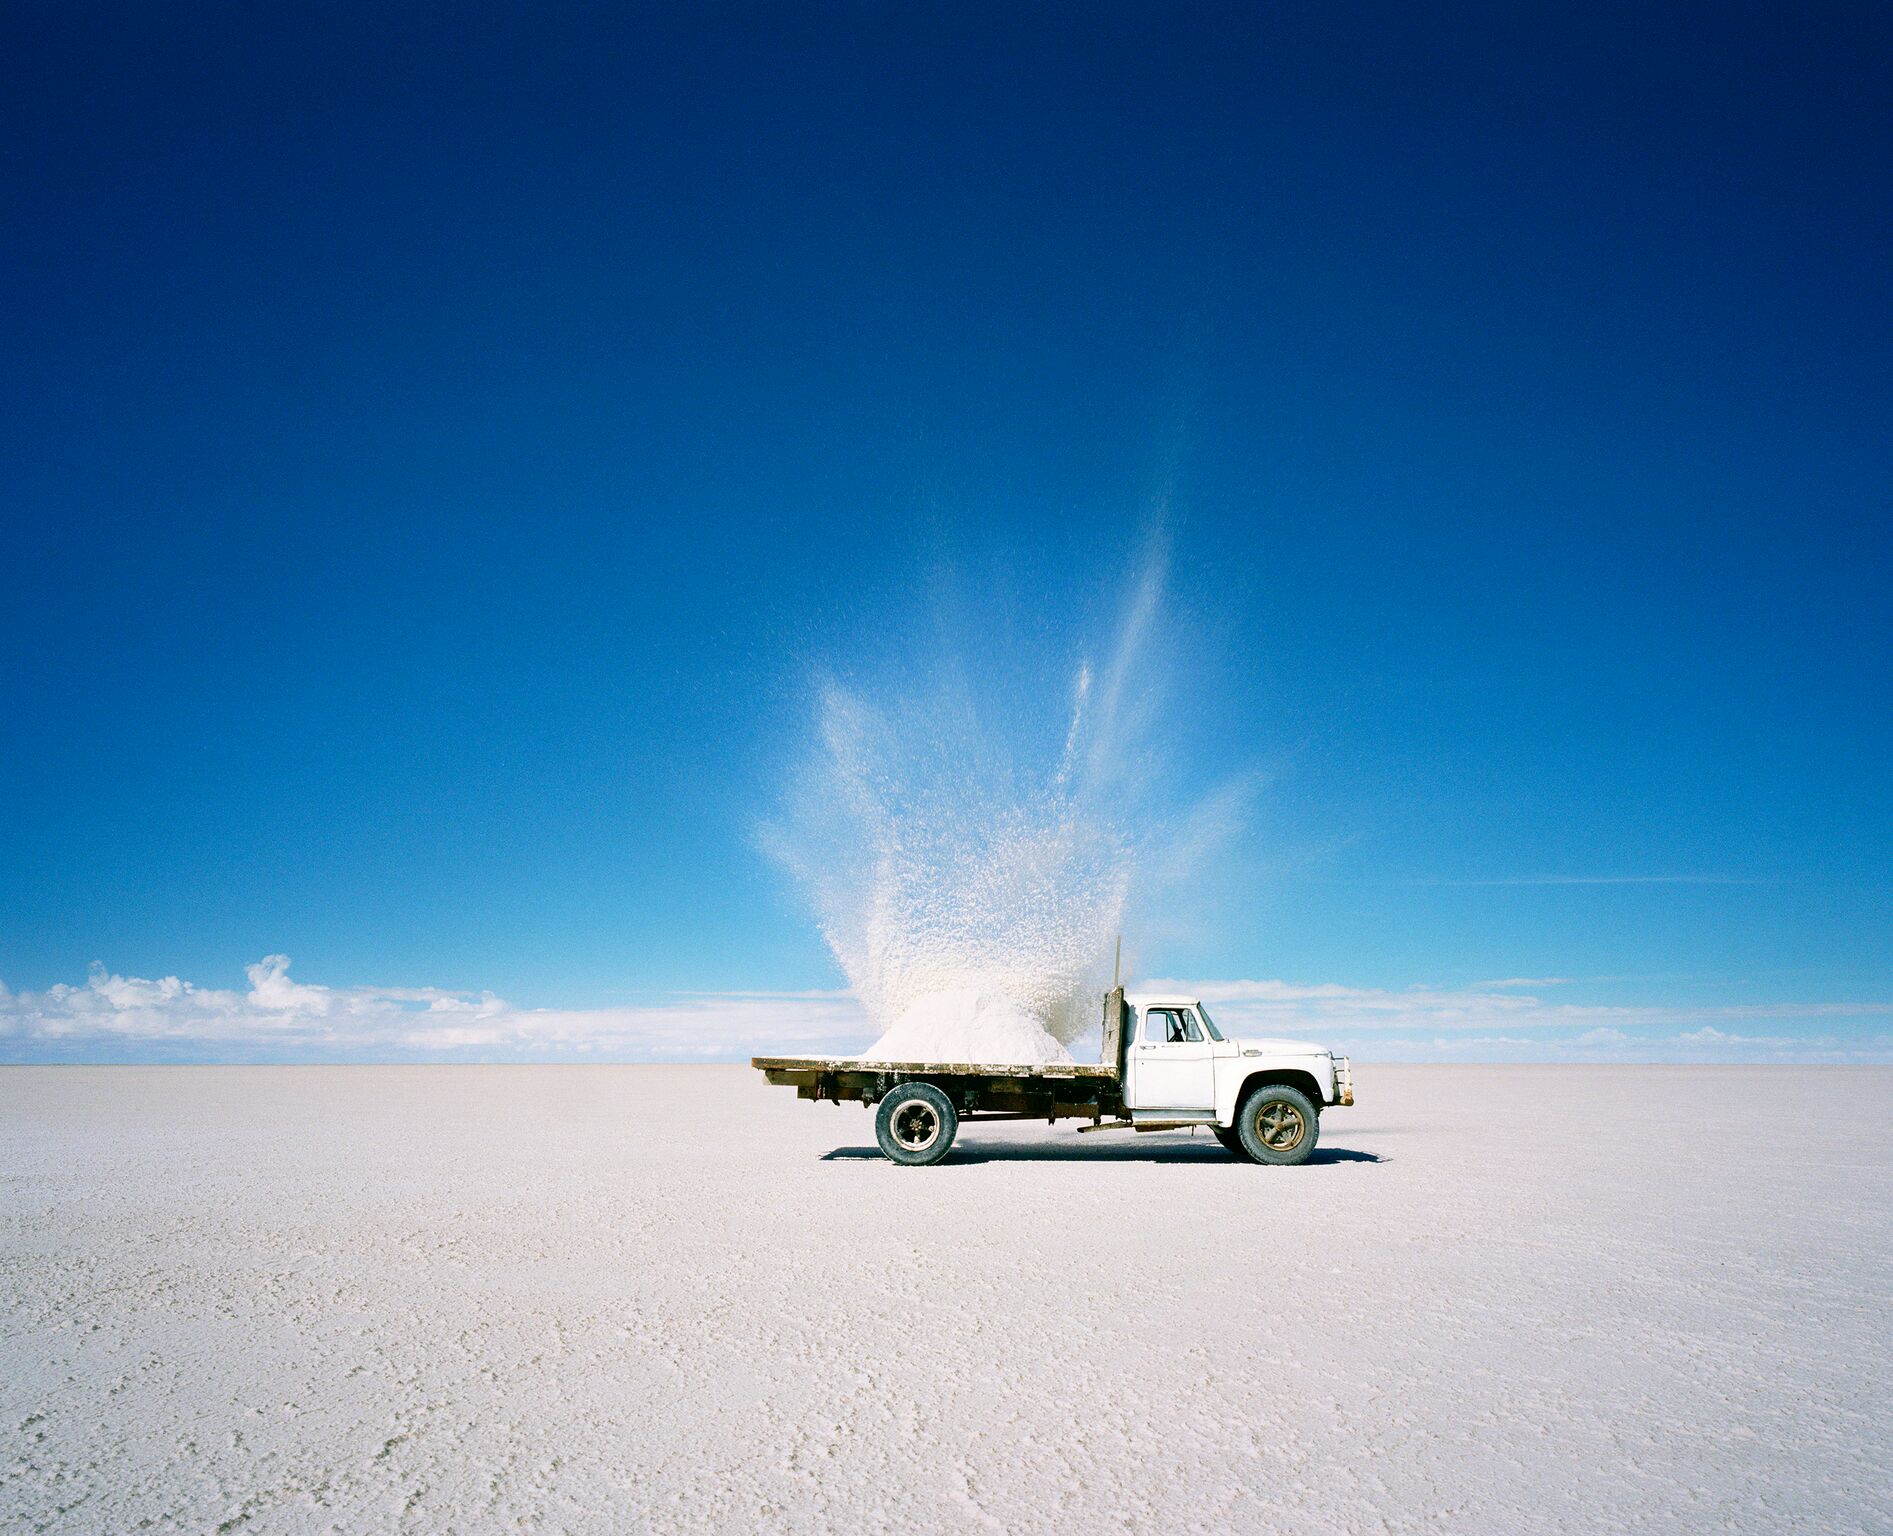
pixel 1511 1021
pixel 1526 981
pixel 1479 1042
pixel 1479 1006
pixel 277 1017
pixel 1711 1036
pixel 271 989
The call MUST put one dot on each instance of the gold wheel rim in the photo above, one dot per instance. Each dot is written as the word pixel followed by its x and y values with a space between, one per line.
pixel 1280 1126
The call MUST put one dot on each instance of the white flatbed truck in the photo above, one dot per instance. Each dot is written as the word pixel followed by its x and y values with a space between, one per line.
pixel 1165 1066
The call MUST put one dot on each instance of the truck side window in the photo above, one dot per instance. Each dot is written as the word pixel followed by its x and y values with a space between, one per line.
pixel 1168 1026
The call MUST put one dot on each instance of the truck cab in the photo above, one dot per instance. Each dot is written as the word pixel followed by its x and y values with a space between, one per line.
pixel 1181 1069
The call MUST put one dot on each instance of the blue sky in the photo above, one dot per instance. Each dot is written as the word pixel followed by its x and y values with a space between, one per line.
pixel 440 447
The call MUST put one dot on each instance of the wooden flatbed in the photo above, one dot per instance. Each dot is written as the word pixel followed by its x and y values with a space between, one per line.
pixel 978 1090
pixel 791 1064
pixel 984 1090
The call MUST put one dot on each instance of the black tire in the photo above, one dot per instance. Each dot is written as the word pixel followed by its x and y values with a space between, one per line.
pixel 916 1124
pixel 1232 1142
pixel 1278 1125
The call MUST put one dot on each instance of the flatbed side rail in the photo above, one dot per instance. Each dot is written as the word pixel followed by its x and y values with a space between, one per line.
pixel 1070 1090
pixel 930 1068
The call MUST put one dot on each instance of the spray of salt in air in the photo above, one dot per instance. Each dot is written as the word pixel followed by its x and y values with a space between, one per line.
pixel 972 902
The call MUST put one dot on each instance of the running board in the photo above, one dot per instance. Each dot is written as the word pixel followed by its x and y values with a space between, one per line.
pixel 1148 1125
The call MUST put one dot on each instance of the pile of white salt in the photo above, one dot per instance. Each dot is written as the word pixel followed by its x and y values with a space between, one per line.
pixel 968 1025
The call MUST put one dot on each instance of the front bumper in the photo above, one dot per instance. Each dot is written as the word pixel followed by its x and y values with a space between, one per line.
pixel 1343 1081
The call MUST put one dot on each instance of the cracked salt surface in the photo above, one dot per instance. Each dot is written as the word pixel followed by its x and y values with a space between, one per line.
pixel 671 1298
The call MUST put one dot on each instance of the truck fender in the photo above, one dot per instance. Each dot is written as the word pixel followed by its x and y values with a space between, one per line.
pixel 1292 1077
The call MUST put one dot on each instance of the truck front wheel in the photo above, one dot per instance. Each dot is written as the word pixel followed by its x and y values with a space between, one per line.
pixel 1278 1124
pixel 916 1124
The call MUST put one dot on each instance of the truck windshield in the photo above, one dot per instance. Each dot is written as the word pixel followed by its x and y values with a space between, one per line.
pixel 1203 1014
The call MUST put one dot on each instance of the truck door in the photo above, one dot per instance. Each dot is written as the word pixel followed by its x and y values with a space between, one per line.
pixel 1171 1063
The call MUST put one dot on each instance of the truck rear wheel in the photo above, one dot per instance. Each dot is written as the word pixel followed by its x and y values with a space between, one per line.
pixel 916 1124
pixel 1278 1125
